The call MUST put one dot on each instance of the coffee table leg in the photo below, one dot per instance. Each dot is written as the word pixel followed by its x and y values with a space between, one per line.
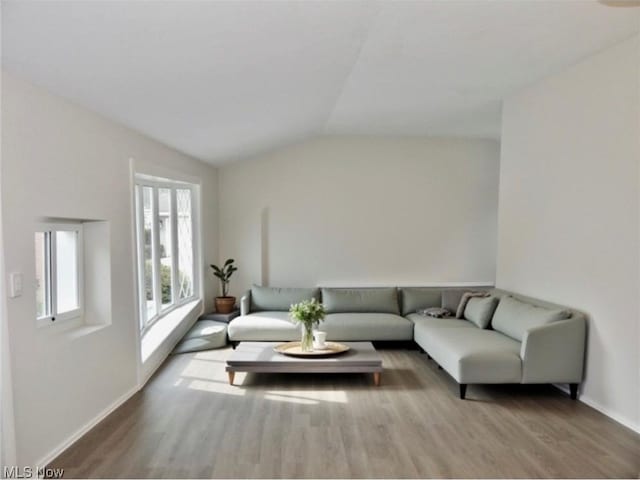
pixel 231 376
pixel 376 379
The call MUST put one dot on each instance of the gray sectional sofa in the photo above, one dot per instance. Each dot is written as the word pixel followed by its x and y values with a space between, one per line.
pixel 502 338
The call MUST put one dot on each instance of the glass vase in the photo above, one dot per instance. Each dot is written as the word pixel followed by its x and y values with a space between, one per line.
pixel 306 343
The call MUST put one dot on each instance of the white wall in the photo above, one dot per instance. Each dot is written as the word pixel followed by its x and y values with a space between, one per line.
pixel 569 211
pixel 59 160
pixel 7 433
pixel 362 211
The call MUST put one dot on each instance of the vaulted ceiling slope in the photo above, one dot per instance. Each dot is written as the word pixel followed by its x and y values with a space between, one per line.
pixel 222 80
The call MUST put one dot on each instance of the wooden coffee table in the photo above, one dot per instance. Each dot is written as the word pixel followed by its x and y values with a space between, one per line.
pixel 260 357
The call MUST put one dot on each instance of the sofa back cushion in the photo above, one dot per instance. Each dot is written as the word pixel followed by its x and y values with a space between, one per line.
pixel 279 299
pixel 415 298
pixel 479 310
pixel 362 300
pixel 451 298
pixel 513 317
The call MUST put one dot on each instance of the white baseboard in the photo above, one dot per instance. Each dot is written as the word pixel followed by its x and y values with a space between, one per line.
pixel 612 415
pixel 48 458
pixel 604 410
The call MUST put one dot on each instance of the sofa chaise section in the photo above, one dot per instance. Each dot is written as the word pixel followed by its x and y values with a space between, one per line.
pixel 525 341
pixel 472 355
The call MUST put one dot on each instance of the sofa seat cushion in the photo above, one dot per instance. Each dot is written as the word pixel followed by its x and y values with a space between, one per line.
pixel 472 355
pixel 429 322
pixel 264 327
pixel 366 327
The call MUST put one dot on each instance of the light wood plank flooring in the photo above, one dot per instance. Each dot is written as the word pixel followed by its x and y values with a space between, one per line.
pixel 188 422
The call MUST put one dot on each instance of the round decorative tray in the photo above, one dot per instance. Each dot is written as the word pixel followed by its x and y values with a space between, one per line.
pixel 293 349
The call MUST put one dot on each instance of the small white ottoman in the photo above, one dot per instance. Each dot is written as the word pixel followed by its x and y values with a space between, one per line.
pixel 204 335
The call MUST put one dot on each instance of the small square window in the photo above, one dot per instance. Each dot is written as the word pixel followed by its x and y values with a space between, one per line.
pixel 58 263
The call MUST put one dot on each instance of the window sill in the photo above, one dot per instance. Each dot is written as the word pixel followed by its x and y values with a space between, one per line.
pixel 84 330
pixel 154 337
pixel 72 328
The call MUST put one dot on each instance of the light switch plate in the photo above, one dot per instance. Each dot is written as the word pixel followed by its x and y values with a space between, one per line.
pixel 15 284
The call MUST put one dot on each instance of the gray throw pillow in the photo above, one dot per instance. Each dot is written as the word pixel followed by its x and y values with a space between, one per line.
pixel 480 310
pixel 465 298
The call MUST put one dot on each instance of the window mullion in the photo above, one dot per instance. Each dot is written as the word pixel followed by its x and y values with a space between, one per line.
pixel 80 269
pixel 195 228
pixel 53 277
pixel 155 242
pixel 175 274
pixel 48 279
pixel 142 292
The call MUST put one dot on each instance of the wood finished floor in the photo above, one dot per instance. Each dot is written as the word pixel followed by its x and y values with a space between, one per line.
pixel 188 422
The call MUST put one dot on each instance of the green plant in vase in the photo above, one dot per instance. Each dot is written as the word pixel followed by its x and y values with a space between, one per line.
pixel 225 303
pixel 308 313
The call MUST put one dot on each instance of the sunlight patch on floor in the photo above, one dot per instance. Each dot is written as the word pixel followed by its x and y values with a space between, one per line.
pixel 218 356
pixel 290 399
pixel 204 370
pixel 216 387
pixel 204 375
pixel 315 396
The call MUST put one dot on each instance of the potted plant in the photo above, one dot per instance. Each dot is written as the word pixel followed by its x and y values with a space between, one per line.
pixel 225 303
pixel 308 313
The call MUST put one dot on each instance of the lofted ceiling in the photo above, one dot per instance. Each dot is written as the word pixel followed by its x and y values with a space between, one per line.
pixel 223 80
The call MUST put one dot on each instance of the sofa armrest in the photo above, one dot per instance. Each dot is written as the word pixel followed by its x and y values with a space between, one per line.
pixel 554 352
pixel 245 303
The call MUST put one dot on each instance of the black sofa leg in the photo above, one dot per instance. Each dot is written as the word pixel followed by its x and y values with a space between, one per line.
pixel 463 390
pixel 573 389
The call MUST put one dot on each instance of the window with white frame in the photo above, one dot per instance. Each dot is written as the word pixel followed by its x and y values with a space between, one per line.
pixel 58 255
pixel 166 247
